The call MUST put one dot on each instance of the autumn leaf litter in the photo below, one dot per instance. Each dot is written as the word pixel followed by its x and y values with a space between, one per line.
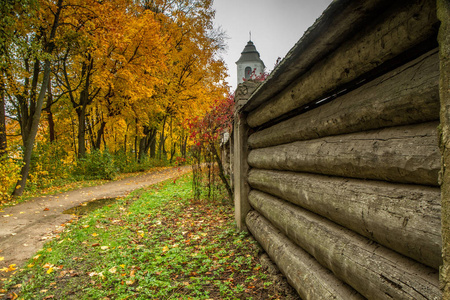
pixel 154 244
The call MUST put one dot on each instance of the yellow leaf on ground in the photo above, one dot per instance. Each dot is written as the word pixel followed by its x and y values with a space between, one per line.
pixel 50 270
pixel 112 270
pixel 2 258
pixel 130 282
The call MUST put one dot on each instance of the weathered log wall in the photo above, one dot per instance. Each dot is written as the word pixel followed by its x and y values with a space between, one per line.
pixel 343 156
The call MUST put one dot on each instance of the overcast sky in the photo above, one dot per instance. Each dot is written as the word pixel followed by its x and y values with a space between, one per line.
pixel 276 25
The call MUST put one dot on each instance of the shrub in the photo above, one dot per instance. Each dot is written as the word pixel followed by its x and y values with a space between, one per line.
pixel 49 162
pixel 9 175
pixel 96 165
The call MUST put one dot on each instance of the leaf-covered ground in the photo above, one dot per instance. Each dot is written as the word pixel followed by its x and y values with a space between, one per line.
pixel 155 244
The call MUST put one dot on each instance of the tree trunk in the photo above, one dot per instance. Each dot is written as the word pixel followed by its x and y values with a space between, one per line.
pixel 81 113
pixel 36 116
pixel 404 96
pixel 304 273
pixel 146 142
pixel 3 140
pixel 405 218
pixel 153 147
pixel 100 134
pixel 162 140
pixel 373 270
pixel 407 154
pixel 222 175
pixel 48 110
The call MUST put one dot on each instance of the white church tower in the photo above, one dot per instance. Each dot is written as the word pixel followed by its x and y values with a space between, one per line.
pixel 249 62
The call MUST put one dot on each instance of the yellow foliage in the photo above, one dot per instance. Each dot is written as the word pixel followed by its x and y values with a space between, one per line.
pixel 9 175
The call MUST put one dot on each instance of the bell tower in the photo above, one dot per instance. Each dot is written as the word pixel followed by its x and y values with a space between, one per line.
pixel 249 62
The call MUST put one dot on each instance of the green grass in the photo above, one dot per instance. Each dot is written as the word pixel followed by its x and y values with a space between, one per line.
pixel 155 244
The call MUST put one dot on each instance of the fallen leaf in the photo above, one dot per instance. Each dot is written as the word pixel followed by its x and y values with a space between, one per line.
pixel 46 209
pixel 47 265
pixel 2 258
pixel 104 247
pixel 112 270
pixel 94 234
pixel 130 282
pixel 50 270
pixel 12 296
pixel 10 268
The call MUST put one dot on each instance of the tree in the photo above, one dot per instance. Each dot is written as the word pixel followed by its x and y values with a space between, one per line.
pixel 207 131
pixel 29 100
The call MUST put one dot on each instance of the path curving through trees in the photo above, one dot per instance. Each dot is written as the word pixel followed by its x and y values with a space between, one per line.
pixel 25 227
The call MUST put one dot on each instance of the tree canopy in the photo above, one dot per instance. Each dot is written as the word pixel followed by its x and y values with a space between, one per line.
pixel 121 76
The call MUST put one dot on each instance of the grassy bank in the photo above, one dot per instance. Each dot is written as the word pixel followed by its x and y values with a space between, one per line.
pixel 155 244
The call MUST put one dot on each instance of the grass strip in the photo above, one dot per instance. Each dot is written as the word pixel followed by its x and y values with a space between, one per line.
pixel 155 244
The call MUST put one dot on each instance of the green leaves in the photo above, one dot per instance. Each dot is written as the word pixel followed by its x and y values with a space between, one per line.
pixel 159 245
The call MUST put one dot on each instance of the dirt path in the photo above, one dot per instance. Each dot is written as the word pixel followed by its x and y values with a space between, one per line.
pixel 24 228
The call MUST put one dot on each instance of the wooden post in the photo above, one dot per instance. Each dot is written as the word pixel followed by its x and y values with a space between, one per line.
pixel 443 7
pixel 241 187
pixel 240 154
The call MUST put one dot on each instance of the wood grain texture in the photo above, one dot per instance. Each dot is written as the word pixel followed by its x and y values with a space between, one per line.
pixel 404 218
pixel 373 270
pixel 406 154
pixel 373 45
pixel 407 95
pixel 304 273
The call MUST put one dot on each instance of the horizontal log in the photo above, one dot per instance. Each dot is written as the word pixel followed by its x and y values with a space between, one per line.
pixel 304 273
pixel 406 154
pixel 336 25
pixel 404 218
pixel 373 270
pixel 398 31
pixel 407 95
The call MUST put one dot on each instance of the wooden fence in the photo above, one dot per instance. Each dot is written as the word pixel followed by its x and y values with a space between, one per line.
pixel 336 156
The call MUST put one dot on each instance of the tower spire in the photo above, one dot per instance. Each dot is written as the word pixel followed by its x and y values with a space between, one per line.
pixel 250 35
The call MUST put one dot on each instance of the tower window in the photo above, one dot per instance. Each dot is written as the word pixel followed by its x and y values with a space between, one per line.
pixel 248 72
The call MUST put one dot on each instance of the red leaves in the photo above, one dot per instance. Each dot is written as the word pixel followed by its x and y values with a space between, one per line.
pixel 207 130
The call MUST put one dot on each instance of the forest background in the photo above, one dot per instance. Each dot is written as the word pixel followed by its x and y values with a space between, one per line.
pixel 91 88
